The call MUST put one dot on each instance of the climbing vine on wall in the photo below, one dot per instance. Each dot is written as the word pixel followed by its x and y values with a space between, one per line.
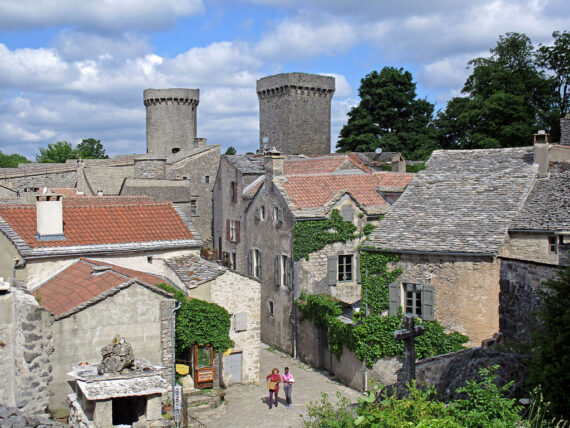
pixel 376 277
pixel 313 235
pixel 199 323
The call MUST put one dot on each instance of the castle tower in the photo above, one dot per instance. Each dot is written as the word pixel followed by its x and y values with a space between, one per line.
pixel 295 113
pixel 170 119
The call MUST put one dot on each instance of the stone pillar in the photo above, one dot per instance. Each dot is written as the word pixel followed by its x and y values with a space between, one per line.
pixel 295 113
pixel 565 130
pixel 153 407
pixel 103 414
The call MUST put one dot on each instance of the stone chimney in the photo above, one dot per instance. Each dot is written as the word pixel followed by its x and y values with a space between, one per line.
pixel 541 152
pixel 49 217
pixel 273 163
pixel 565 130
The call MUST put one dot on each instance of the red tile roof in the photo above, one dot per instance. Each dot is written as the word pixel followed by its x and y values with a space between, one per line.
pixel 311 191
pixel 321 164
pixel 82 282
pixel 114 222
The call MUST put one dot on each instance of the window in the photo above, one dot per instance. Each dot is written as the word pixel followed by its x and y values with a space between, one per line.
pixel 193 207
pixel 207 179
pixel 233 261
pixel 233 191
pixel 233 230
pixel 552 247
pixel 260 213
pixel 277 215
pixel 283 270
pixel 270 304
pixel 342 268
pixel 347 213
pixel 417 299
pixel 254 263
pixel 345 267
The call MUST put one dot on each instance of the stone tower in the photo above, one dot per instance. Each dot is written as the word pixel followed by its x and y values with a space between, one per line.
pixel 170 119
pixel 295 113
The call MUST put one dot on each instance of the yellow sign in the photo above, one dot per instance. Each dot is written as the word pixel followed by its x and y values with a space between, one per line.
pixel 228 352
pixel 182 369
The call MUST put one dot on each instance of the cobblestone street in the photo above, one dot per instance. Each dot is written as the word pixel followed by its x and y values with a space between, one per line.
pixel 246 405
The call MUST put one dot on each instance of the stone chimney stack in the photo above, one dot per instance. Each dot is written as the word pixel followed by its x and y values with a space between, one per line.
pixel 295 113
pixel 273 163
pixel 49 217
pixel 565 130
pixel 541 153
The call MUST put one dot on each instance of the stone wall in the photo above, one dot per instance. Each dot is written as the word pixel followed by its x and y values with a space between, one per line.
pixel 38 178
pixel 26 347
pixel 241 297
pixel 466 291
pixel 295 113
pixel 521 283
pixel 150 168
pixel 531 247
pixel 138 314
pixel 565 130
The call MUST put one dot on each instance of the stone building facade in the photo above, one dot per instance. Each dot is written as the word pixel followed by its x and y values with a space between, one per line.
pixel 295 113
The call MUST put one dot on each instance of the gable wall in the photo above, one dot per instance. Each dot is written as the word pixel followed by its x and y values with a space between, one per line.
pixel 138 314
pixel 7 255
pixel 530 247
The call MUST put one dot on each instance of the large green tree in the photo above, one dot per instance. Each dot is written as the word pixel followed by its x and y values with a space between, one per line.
pixel 11 161
pixel 507 99
pixel 56 153
pixel 389 116
pixel 90 148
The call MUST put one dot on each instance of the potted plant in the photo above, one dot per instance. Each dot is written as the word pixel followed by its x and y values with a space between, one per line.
pixel 166 406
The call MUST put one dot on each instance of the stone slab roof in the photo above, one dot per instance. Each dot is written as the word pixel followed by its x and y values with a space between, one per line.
pixel 86 282
pixel 247 164
pixel 193 270
pixel 119 226
pixel 548 206
pixel 160 189
pixel 463 202
pixel 335 162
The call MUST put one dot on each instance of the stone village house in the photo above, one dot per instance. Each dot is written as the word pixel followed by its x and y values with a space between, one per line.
pixel 132 238
pixel 476 232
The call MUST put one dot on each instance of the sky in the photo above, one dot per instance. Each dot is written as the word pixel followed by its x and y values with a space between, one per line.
pixel 73 69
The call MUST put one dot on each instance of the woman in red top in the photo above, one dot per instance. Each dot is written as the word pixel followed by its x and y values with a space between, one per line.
pixel 273 380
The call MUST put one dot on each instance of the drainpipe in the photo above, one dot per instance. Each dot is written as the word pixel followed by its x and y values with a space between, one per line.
pixel 173 349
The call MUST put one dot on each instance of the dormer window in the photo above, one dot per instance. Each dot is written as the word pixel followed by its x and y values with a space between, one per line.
pixel 552 245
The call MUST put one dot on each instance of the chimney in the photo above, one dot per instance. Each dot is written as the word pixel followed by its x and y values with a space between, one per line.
pixel 541 152
pixel 49 216
pixel 565 130
pixel 273 163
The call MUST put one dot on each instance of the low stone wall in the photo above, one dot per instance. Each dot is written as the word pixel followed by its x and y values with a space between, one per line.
pixel 12 417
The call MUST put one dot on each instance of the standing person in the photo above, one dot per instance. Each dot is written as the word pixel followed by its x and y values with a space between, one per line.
pixel 273 381
pixel 288 381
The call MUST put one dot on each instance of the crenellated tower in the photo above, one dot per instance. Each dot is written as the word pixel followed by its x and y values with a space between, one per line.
pixel 170 119
pixel 295 113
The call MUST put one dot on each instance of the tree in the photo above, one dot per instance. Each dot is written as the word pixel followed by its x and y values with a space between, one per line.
pixel 90 148
pixel 507 100
pixel 550 366
pixel 230 151
pixel 56 153
pixel 389 116
pixel 11 161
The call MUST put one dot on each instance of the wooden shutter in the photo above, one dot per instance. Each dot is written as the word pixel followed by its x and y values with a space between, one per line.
pixel 250 262
pixel 427 302
pixel 288 272
pixel 237 231
pixel 331 270
pixel 259 264
pixel 228 230
pixel 357 267
pixel 257 213
pixel 279 214
pixel 395 292
pixel 234 191
pixel 347 213
pixel 277 272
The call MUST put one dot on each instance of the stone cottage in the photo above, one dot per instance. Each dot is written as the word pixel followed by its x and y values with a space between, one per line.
pixel 450 229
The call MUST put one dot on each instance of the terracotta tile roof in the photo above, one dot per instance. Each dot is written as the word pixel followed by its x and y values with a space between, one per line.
pixel 323 164
pixel 83 281
pixel 114 222
pixel 308 191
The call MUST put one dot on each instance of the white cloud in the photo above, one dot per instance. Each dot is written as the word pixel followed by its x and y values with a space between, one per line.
pixel 96 15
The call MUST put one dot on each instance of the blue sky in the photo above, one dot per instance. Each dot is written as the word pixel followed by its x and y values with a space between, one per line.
pixel 77 69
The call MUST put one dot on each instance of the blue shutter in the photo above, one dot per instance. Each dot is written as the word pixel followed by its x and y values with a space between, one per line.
pixel 395 291
pixel 331 270
pixel 427 302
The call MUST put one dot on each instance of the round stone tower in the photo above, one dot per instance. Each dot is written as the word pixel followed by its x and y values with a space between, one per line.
pixel 170 119
pixel 295 113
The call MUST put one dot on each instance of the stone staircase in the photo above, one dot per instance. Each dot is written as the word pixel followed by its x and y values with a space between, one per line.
pixel 200 406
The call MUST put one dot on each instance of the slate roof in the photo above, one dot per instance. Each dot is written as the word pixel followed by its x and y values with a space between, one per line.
pixel 86 282
pixel 193 270
pixel 317 191
pixel 92 225
pixel 296 165
pixel 548 206
pixel 247 164
pixel 463 202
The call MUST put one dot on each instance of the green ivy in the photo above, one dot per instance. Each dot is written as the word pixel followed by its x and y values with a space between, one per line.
pixel 376 277
pixel 199 323
pixel 313 235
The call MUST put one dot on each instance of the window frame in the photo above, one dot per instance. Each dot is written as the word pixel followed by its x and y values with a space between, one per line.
pixel 552 244
pixel 194 207
pixel 397 292
pixel 233 191
pixel 345 267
